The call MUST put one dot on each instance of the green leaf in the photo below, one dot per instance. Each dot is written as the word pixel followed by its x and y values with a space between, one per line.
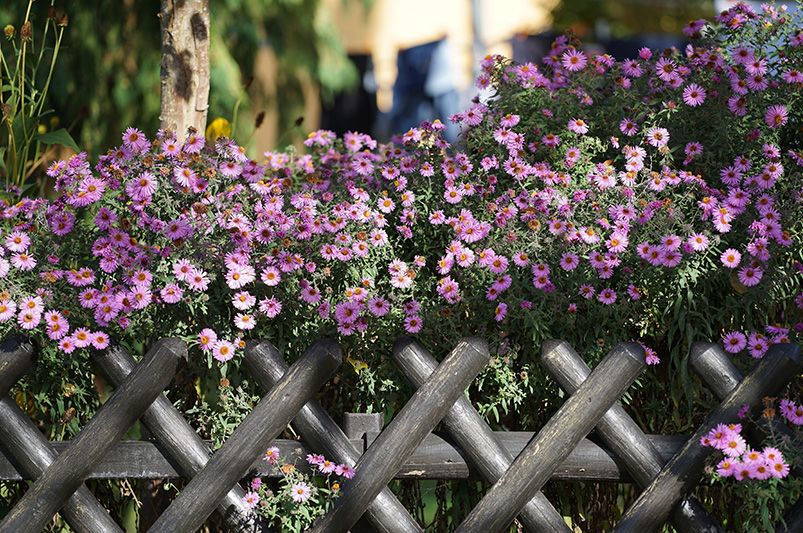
pixel 60 136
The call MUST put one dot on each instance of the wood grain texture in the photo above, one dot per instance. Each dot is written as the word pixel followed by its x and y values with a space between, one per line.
pixel 184 76
pixel 683 472
pixel 624 437
pixel 417 418
pixel 576 417
pixel 66 473
pixel 32 454
pixel 176 438
pixel 251 438
pixel 16 357
pixel 434 458
pixel 476 439
pixel 267 366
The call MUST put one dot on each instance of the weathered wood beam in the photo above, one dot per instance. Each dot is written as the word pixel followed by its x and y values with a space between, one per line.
pixel 679 476
pixel 624 437
pixel 30 450
pixel 386 513
pixel 574 420
pixel 177 439
pixel 477 441
pixel 251 438
pixel 67 472
pixel 386 455
pixel 434 458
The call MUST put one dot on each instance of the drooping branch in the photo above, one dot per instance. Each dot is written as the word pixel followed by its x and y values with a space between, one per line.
pixel 185 65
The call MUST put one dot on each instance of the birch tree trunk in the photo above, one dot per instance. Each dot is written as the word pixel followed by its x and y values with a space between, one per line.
pixel 185 65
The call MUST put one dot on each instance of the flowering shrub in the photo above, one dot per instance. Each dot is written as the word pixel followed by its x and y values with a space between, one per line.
pixel 656 198
pixel 299 500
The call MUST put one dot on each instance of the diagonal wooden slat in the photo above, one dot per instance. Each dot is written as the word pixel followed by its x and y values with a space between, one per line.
pixel 575 419
pixel 16 358
pixel 177 439
pixel 418 417
pixel 66 473
pixel 251 438
pixel 624 437
pixel 30 449
pixel 683 472
pixel 476 439
pixel 267 366
pixel 722 376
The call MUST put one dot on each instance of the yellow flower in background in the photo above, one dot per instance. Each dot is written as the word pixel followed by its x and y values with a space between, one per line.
pixel 220 127
pixel 358 365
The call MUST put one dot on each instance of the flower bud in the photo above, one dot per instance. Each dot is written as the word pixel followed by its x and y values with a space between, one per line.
pixel 26 32
pixel 9 31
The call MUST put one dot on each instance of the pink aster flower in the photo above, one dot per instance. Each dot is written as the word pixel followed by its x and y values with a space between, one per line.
pixel 223 350
pixel 272 455
pixel 28 319
pixel 244 321
pixel 23 261
pixel 345 471
pixel 578 125
pixel 574 60
pixel 750 276
pixel 694 95
pixel 135 140
pixel 734 341
pixel 413 324
pixel 171 293
pixel 776 116
pixel 300 492
pixel 730 258
pixel 271 307
pixel 17 241
pixel 207 338
pixel 734 446
pixel 726 467
pixel 607 296
pixel 657 137
pixel 251 500
pixel 100 340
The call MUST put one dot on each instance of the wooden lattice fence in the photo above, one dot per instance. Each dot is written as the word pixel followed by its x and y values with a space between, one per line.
pixel 517 464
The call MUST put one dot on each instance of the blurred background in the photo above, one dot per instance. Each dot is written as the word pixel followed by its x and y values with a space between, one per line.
pixel 282 68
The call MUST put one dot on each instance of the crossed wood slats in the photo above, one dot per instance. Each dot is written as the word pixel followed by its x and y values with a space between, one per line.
pixel 517 473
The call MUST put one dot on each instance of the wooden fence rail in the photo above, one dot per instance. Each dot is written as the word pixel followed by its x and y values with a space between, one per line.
pixel 516 464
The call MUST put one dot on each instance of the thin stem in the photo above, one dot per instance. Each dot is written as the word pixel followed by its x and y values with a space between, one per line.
pixel 50 72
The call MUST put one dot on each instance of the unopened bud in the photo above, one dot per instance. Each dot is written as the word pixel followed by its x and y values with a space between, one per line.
pixel 26 32
pixel 9 31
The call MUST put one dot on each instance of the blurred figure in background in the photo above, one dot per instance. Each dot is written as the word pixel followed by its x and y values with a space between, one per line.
pixel 417 58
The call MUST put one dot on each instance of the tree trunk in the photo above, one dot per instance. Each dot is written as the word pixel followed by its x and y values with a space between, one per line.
pixel 185 65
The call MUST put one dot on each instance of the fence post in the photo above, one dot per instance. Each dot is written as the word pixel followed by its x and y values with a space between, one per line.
pixel 177 438
pixel 420 415
pixel 573 421
pixel 683 471
pixel 472 434
pixel 67 472
pixel 623 436
pixel 251 438
pixel 16 357
pixel 267 366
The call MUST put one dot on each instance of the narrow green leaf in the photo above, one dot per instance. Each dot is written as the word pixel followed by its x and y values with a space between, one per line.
pixel 60 136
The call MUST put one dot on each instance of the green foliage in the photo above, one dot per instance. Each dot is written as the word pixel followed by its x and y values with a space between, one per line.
pixel 108 74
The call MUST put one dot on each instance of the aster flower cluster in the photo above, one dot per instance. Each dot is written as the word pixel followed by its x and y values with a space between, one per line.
pixel 299 500
pixel 589 199
pixel 740 461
